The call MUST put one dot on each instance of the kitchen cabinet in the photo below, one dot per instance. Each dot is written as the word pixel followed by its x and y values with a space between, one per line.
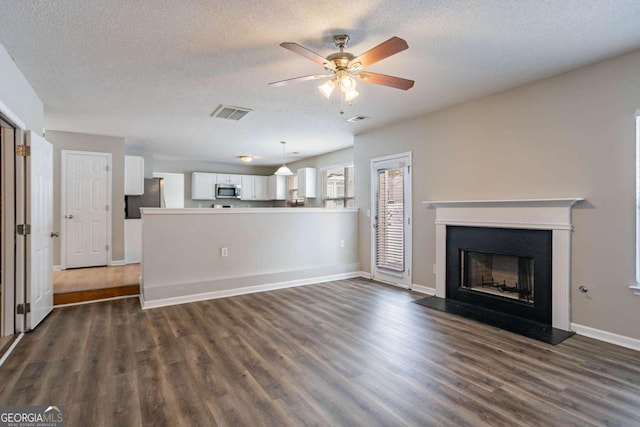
pixel 255 187
pixel 247 188
pixel 261 187
pixel 307 182
pixel 277 187
pixel 203 186
pixel 133 175
pixel 225 178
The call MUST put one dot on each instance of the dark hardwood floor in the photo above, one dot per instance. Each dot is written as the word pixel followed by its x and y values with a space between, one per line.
pixel 345 353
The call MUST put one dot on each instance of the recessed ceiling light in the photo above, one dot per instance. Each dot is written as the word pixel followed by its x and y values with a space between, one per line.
pixel 246 159
pixel 357 119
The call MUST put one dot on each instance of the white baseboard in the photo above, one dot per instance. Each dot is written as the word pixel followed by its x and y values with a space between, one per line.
pixel 364 274
pixel 243 291
pixel 57 268
pixel 605 336
pixel 115 262
pixel 423 289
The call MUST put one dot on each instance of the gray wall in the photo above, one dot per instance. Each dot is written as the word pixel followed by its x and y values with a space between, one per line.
pixel 17 94
pixel 572 135
pixel 103 144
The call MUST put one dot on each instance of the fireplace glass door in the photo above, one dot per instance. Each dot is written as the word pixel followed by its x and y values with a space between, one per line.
pixel 503 275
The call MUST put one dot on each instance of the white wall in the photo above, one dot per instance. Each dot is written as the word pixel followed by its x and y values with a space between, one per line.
pixel 172 189
pixel 18 95
pixel 181 256
pixel 572 135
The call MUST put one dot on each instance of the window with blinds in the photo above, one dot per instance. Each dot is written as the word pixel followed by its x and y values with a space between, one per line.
pixel 338 188
pixel 390 220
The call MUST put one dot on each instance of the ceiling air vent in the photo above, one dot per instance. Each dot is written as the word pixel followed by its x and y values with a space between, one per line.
pixel 357 119
pixel 230 112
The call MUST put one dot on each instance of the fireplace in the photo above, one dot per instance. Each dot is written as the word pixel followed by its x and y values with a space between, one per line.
pixel 506 270
pixel 522 246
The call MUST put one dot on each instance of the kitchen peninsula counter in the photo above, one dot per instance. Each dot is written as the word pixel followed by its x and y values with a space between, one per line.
pixel 202 253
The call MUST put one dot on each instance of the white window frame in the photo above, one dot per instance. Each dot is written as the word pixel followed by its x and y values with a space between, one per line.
pixel 636 286
pixel 324 184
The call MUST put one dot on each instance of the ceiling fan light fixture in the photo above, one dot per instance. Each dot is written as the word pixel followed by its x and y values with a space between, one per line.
pixel 327 88
pixel 347 84
pixel 351 95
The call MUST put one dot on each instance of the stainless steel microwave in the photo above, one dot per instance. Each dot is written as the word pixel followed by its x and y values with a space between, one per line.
pixel 228 191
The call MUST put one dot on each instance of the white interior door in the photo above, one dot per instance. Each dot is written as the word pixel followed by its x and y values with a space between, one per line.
pixel 40 217
pixel 86 212
pixel 391 219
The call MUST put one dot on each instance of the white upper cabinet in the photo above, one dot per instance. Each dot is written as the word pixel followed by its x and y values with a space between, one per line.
pixel 261 187
pixel 222 178
pixel 277 187
pixel 255 187
pixel 247 192
pixel 203 186
pixel 307 182
pixel 133 175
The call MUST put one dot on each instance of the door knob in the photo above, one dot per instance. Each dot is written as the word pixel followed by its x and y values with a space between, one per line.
pixel 69 216
pixel 54 234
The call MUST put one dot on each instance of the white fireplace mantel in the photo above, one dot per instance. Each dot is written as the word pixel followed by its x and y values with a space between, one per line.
pixel 540 214
pixel 543 214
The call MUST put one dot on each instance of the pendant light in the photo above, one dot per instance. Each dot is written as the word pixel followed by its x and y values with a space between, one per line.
pixel 283 170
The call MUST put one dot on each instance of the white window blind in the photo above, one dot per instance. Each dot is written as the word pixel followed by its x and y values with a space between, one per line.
pixel 390 220
pixel 338 188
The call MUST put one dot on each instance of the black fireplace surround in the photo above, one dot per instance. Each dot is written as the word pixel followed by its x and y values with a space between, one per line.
pixel 531 244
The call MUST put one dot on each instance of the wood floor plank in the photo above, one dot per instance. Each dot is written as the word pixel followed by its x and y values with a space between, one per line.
pixel 350 352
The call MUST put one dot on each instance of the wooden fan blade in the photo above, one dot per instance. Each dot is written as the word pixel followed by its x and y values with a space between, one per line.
pixel 382 79
pixel 300 79
pixel 380 52
pixel 301 50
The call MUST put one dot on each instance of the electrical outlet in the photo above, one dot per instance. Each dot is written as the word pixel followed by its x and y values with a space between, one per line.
pixel 224 251
pixel 342 243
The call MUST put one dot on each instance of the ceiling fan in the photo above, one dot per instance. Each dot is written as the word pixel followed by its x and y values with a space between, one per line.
pixel 345 69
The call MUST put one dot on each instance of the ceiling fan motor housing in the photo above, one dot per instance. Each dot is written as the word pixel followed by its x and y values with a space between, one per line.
pixel 341 40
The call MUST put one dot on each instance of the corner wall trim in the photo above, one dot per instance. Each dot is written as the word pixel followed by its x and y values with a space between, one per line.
pixel 609 337
pixel 243 291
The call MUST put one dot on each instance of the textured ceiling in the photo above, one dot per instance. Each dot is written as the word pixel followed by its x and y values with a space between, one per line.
pixel 152 71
